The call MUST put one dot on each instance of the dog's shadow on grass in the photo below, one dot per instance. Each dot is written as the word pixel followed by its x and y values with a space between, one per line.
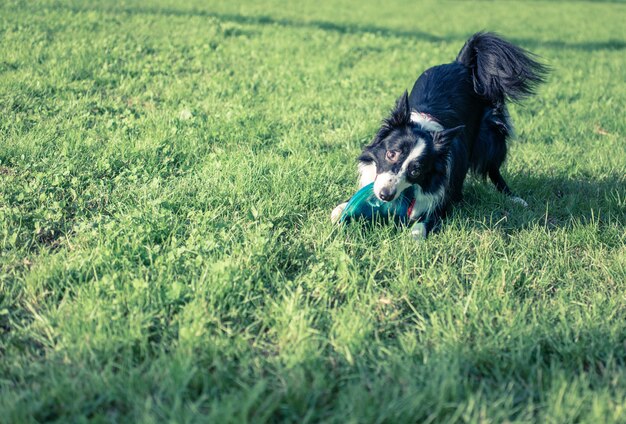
pixel 553 202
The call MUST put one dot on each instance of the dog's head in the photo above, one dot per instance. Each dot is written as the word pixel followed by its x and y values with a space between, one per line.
pixel 405 154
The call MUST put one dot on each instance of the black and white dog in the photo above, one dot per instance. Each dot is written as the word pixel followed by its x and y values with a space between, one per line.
pixel 454 120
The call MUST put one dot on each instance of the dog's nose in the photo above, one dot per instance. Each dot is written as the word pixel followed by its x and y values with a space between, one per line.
pixel 387 194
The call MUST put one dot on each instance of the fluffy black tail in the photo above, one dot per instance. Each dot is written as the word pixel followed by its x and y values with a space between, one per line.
pixel 500 69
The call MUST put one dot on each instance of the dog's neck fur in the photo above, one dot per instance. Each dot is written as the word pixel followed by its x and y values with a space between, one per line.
pixel 425 121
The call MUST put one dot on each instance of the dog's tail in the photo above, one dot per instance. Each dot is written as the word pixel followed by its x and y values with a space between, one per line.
pixel 501 70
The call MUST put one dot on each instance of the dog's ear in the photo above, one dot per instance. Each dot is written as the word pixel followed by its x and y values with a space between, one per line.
pixel 399 117
pixel 366 157
pixel 401 114
pixel 443 138
pixel 378 138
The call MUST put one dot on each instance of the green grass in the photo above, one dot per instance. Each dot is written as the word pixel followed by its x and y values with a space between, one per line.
pixel 167 173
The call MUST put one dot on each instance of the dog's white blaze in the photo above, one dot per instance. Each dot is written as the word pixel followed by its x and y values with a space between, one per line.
pixel 415 153
pixel 398 181
pixel 367 173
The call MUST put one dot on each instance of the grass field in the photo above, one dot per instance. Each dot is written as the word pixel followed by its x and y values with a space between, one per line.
pixel 167 173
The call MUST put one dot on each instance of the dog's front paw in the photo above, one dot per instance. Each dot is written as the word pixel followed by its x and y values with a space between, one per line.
pixel 519 201
pixel 336 213
pixel 418 231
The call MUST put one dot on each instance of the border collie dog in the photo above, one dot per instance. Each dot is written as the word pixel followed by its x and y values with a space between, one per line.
pixel 454 120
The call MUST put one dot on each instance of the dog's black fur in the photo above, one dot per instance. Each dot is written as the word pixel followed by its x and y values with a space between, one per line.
pixel 467 98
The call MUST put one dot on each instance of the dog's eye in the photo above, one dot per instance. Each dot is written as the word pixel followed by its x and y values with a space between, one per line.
pixel 392 155
pixel 414 172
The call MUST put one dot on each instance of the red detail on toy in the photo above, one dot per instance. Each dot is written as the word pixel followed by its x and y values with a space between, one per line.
pixel 408 212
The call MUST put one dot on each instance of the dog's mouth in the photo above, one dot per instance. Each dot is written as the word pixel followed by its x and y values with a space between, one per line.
pixel 387 187
pixel 386 195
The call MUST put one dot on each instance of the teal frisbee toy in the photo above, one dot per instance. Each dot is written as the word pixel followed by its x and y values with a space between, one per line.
pixel 364 205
